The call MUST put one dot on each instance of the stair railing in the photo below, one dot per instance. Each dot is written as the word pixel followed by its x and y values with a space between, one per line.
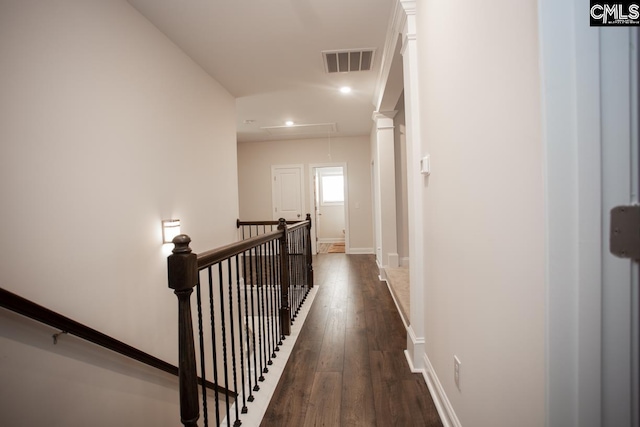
pixel 66 325
pixel 247 296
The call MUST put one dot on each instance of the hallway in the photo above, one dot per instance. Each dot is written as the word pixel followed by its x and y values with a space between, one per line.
pixel 348 367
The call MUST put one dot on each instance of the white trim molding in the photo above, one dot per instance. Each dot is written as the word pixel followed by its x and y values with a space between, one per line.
pixel 360 251
pixel 416 347
pixel 395 301
pixel 440 399
pixel 331 240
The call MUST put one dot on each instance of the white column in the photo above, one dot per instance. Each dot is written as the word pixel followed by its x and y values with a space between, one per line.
pixel 384 163
pixel 416 187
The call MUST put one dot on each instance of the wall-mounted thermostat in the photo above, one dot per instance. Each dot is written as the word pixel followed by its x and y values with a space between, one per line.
pixel 425 165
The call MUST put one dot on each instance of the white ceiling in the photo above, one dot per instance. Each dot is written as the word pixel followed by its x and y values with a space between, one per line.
pixel 267 53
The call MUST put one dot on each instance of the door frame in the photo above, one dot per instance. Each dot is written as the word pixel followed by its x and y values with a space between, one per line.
pixel 572 68
pixel 312 202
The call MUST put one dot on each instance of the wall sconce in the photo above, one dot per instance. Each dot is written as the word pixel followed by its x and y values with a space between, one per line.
pixel 170 229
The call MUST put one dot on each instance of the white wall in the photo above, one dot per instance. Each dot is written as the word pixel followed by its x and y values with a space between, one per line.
pixel 106 128
pixel 383 157
pixel 254 166
pixel 402 204
pixel 480 114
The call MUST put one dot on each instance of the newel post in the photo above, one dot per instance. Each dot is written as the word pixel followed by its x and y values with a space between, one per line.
pixel 285 307
pixel 182 269
pixel 308 254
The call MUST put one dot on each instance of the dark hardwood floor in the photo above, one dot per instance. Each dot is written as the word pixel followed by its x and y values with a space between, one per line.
pixel 348 366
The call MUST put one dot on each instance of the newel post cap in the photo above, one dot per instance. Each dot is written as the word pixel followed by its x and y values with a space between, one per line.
pixel 282 224
pixel 182 265
pixel 181 244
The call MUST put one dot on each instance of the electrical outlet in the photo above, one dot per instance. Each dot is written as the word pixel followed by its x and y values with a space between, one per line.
pixel 456 371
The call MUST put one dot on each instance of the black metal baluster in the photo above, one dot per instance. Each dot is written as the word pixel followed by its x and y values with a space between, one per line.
pixel 243 378
pixel 237 421
pixel 262 318
pixel 292 276
pixel 299 282
pixel 259 305
pixel 303 265
pixel 223 332
pixel 276 261
pixel 299 270
pixel 202 355
pixel 214 344
pixel 305 276
pixel 268 304
pixel 274 296
pixel 254 304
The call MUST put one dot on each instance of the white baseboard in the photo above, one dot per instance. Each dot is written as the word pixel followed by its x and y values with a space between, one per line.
pixel 404 321
pixel 331 240
pixel 404 261
pixel 382 275
pixel 416 347
pixel 360 251
pixel 440 399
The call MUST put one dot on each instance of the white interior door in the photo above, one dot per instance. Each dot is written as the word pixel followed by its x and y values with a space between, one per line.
pixel 619 101
pixel 315 201
pixel 330 204
pixel 287 195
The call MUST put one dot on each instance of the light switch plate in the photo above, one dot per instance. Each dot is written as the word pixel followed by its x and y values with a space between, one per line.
pixel 425 165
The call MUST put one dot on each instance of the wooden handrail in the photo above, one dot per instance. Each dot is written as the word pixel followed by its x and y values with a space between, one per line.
pixel 29 309
pixel 296 225
pixel 241 223
pixel 208 258
pixel 184 269
pixel 214 256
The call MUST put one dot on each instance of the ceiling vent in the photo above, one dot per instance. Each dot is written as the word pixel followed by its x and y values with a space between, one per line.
pixel 344 61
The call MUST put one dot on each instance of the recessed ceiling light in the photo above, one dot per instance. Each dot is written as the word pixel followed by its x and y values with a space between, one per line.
pixel 288 123
pixel 345 89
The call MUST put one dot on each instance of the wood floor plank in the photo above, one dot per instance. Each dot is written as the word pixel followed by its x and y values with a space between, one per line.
pixel 294 387
pixel 348 366
pixel 332 352
pixel 356 313
pixel 357 393
pixel 390 404
pixel 325 402
pixel 416 394
pixel 378 329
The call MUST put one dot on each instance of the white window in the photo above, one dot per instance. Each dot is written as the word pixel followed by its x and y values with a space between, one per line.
pixel 332 190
